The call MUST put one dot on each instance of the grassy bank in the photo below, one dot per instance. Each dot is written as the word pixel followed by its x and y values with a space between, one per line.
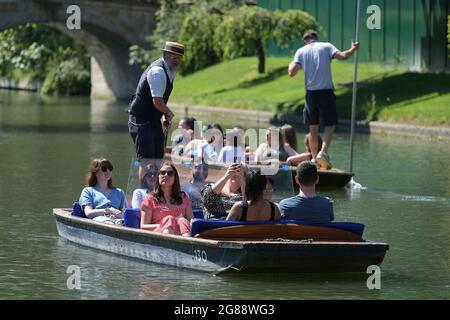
pixel 396 96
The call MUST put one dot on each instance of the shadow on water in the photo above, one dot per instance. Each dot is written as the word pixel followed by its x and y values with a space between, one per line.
pixel 406 205
pixel 289 278
pixel 104 275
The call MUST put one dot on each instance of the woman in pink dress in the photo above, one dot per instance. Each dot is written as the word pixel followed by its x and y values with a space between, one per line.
pixel 167 206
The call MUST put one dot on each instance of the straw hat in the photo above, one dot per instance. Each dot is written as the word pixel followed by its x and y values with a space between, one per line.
pixel 174 47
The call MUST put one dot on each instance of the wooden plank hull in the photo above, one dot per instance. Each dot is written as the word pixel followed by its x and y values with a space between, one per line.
pixel 221 256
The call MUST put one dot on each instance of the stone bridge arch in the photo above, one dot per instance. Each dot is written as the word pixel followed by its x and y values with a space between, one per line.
pixel 108 29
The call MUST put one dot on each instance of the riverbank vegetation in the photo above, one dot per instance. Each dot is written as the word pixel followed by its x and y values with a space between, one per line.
pixel 40 53
pixel 221 30
pixel 384 94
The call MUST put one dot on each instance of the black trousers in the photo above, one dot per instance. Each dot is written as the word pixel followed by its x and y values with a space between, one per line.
pixel 148 138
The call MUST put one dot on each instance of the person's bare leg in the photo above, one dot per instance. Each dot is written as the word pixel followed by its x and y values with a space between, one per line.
pixel 314 140
pixel 327 137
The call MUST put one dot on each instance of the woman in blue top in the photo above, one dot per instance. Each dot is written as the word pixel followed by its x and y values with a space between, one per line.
pixel 101 198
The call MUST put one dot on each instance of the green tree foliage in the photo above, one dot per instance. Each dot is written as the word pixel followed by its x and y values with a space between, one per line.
pixel 448 32
pixel 44 54
pixel 218 30
pixel 195 34
pixel 68 75
pixel 244 32
pixel 170 18
pixel 290 24
pixel 192 25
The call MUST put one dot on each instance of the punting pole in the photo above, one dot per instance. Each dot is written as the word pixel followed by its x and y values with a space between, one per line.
pixel 166 131
pixel 355 85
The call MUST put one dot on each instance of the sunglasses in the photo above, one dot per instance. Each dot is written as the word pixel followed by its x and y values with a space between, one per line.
pixel 104 169
pixel 150 174
pixel 169 173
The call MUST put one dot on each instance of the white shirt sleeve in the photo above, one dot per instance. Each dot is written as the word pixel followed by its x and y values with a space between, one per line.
pixel 157 81
pixel 332 50
pixel 221 156
pixel 298 57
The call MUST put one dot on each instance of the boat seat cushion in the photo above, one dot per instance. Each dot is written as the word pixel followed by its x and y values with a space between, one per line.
pixel 77 210
pixel 198 213
pixel 132 218
pixel 202 225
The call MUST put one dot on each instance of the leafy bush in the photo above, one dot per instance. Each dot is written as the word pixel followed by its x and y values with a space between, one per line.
pixel 217 30
pixel 68 77
pixel 195 34
pixel 47 55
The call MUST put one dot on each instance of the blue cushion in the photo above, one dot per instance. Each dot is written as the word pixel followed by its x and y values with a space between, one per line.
pixel 77 210
pixel 198 213
pixel 201 225
pixel 132 218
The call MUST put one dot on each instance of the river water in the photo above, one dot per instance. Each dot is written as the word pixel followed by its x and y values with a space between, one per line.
pixel 46 147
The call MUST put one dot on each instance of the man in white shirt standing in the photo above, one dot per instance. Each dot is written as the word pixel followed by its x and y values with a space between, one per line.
pixel 320 108
pixel 149 104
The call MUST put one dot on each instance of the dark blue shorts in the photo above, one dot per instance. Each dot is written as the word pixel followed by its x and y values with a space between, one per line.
pixel 320 108
pixel 148 139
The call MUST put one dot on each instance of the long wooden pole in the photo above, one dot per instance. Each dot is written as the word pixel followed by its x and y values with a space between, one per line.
pixel 355 85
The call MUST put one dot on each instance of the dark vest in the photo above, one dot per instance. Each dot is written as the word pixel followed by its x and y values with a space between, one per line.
pixel 142 106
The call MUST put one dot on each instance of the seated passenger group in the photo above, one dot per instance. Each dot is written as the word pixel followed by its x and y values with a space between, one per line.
pixel 213 145
pixel 239 195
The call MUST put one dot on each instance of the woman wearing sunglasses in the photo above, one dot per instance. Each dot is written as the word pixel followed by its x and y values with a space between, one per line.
pixel 167 205
pixel 100 198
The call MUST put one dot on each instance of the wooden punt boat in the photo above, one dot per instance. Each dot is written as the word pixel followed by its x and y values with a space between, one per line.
pixel 287 248
pixel 334 178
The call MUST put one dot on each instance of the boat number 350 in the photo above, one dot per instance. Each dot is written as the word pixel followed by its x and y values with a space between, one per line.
pixel 200 255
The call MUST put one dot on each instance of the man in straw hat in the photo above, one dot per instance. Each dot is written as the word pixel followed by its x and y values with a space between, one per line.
pixel 315 58
pixel 149 104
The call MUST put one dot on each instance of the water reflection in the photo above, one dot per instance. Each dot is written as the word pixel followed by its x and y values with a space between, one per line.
pixel 107 116
pixel 47 146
